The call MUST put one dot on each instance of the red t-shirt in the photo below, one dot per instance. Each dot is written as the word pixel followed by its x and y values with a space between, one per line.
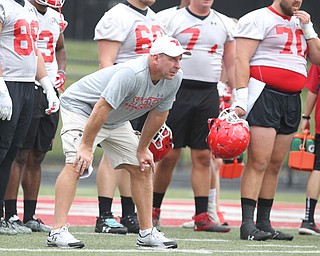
pixel 313 84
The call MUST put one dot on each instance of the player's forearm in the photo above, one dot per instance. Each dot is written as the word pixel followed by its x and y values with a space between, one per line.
pixel 310 103
pixel 61 56
pixel 242 73
pixel 41 68
pixel 314 51
pixel 229 63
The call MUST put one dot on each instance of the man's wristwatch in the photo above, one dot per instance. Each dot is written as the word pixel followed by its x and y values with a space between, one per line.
pixel 305 117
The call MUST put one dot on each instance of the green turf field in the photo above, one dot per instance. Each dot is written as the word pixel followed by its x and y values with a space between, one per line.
pixel 190 243
pixel 182 193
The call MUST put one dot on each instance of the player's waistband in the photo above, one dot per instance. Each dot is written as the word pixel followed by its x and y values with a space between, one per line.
pixel 198 85
pixel 270 88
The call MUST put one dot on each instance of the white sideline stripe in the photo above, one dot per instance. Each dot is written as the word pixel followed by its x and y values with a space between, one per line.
pixel 142 250
pixel 178 239
pixel 281 245
pixel 162 251
pixel 211 240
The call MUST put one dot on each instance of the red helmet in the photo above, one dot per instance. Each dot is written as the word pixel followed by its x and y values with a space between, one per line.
pixel 51 3
pixel 229 135
pixel 161 143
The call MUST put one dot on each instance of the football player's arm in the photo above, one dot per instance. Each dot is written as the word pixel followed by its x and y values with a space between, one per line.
pixel 151 126
pixel 5 99
pixel 61 53
pixel 245 49
pixel 228 61
pixel 107 52
pixel 314 51
pixel 310 103
pixel 61 56
pixel 46 84
pixel 95 122
pixel 310 35
pixel 41 68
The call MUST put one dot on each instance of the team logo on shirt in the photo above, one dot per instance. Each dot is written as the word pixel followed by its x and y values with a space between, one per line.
pixel 53 20
pixel 142 103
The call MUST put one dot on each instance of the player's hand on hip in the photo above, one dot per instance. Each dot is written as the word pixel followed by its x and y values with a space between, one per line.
pixel 5 101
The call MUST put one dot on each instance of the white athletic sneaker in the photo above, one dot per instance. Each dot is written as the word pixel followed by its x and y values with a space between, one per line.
pixel 18 225
pixel 188 224
pixel 6 228
pixel 156 239
pixel 62 238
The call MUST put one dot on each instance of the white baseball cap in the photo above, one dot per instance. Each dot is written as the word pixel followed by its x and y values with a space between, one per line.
pixel 169 46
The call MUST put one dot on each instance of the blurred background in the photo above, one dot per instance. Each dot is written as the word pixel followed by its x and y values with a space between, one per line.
pixel 83 15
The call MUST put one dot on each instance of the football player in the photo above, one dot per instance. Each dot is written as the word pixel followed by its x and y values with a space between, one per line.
pixel 308 225
pixel 273 81
pixel 208 35
pixel 42 129
pixel 21 63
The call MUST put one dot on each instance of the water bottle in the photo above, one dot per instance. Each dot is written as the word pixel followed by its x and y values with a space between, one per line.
pixel 310 144
pixel 296 143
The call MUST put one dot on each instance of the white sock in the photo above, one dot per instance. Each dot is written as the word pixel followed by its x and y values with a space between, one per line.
pixel 212 196
pixel 145 231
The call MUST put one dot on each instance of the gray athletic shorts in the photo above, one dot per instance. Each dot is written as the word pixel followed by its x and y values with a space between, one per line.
pixel 120 144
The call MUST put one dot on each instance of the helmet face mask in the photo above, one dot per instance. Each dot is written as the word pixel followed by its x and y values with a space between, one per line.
pixel 229 135
pixel 51 3
pixel 161 143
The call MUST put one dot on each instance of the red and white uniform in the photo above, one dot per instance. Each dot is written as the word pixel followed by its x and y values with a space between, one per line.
pixel 205 39
pixel 282 47
pixel 136 32
pixel 49 32
pixel 18 41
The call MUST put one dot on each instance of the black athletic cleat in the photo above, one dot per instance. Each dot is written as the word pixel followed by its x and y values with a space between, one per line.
pixel 278 235
pixel 131 222
pixel 309 228
pixel 248 231
pixel 275 234
pixel 107 224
